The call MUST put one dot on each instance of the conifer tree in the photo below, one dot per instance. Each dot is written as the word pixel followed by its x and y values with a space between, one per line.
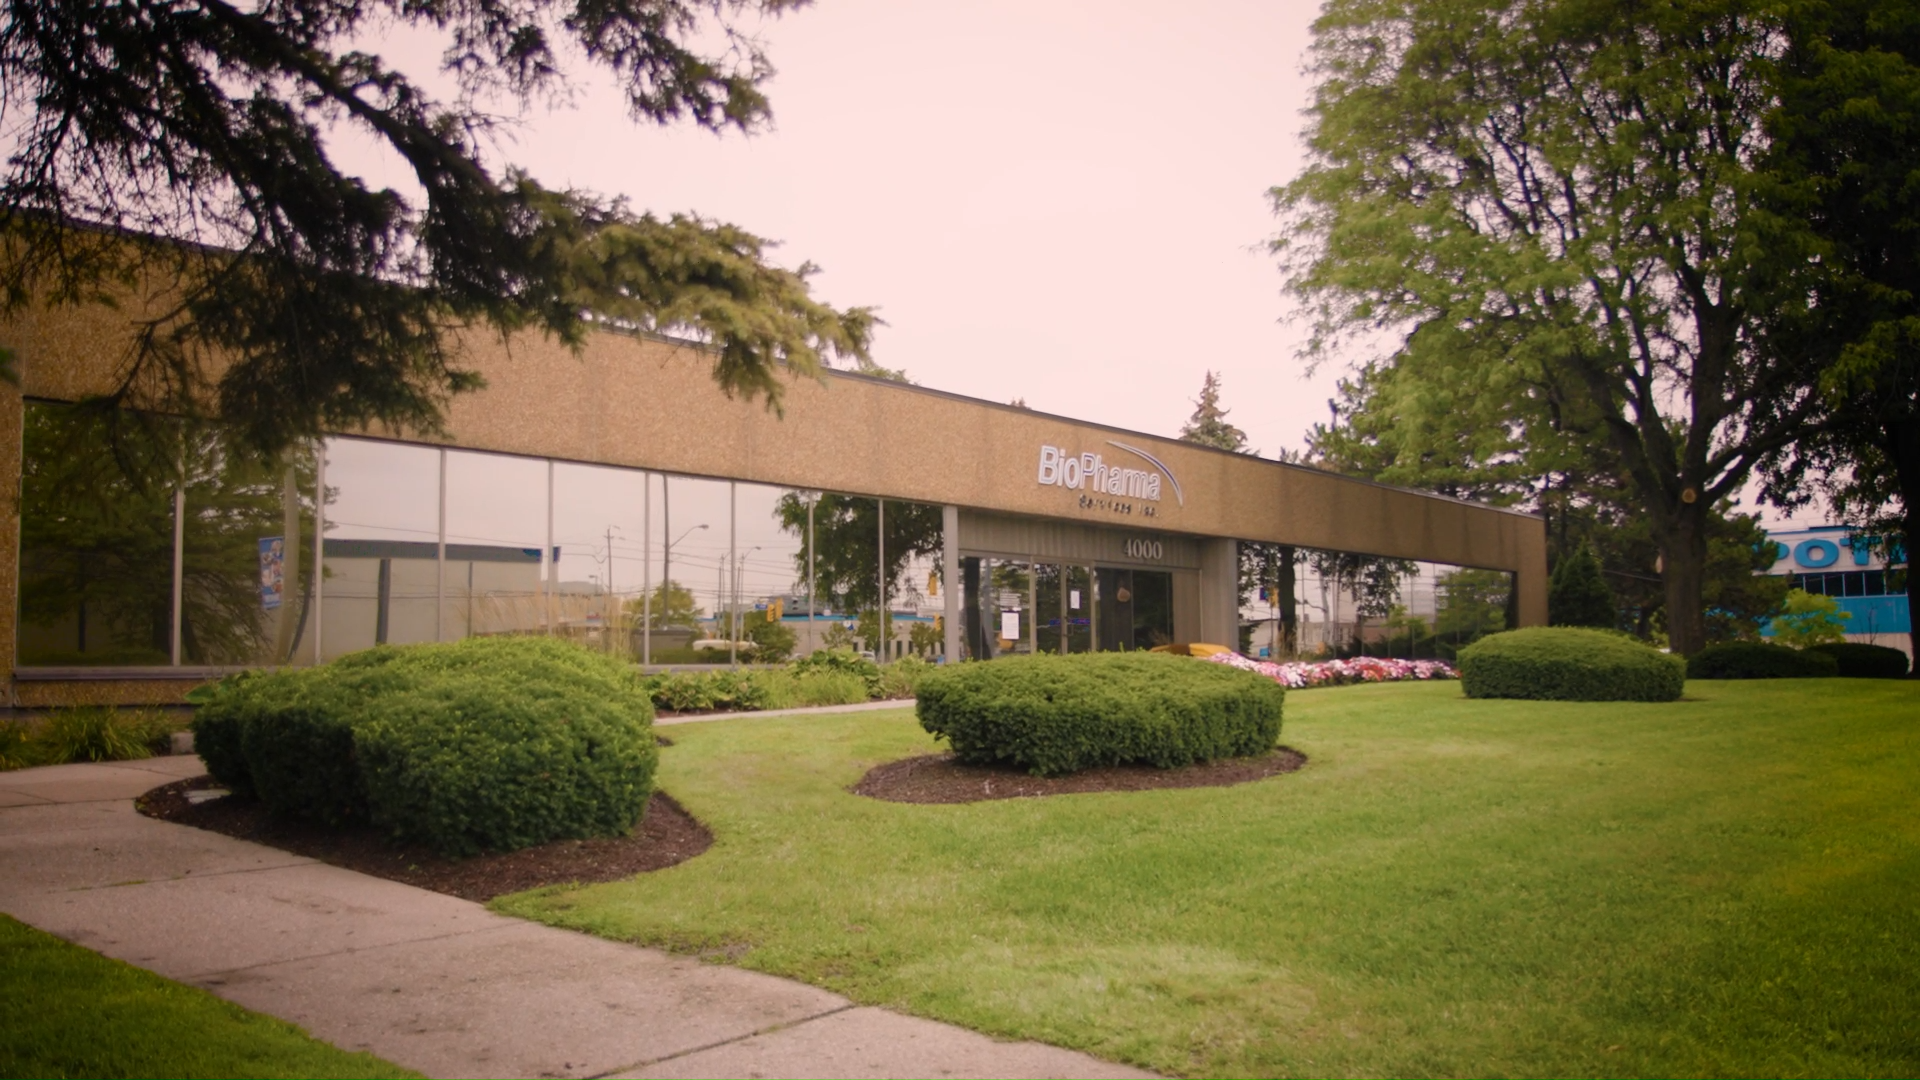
pixel 1577 594
pixel 1208 425
pixel 191 150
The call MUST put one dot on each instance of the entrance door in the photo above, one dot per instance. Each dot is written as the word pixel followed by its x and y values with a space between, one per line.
pixel 1135 608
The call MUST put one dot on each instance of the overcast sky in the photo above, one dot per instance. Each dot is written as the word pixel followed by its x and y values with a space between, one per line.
pixel 1053 200
pixel 1058 201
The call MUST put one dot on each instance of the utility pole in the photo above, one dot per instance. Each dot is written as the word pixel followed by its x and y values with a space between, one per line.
pixel 612 607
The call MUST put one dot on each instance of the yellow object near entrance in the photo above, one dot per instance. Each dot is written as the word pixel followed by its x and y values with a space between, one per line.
pixel 1195 649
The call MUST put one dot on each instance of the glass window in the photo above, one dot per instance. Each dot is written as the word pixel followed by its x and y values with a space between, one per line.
pixel 246 558
pixel 497 579
pixel 1875 583
pixel 767 585
pixel 380 547
pixel 599 529
pixel 1079 609
pixel 96 539
pixel 692 522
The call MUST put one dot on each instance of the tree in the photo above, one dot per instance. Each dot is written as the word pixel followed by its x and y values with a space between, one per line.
pixel 189 146
pixel 1374 582
pixel 1844 154
pixel 1262 565
pixel 1578 595
pixel 772 640
pixel 1545 215
pixel 1472 604
pixel 97 540
pixel 670 606
pixel 1806 619
pixel 846 534
pixel 1208 425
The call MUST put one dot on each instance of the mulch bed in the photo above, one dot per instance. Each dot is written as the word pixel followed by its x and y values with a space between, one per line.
pixel 666 835
pixel 938 778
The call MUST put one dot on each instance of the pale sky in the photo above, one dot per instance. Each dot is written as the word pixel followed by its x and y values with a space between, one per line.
pixel 1058 201
pixel 1055 200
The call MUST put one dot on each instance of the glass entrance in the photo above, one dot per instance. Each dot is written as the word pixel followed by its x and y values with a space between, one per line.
pixel 1134 608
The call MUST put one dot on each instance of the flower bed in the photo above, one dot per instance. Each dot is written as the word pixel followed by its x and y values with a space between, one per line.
pixel 1300 676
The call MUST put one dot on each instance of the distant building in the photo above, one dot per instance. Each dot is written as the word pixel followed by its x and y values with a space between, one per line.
pixel 1824 560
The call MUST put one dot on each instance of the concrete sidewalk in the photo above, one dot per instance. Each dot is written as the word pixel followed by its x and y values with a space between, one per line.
pixel 431 982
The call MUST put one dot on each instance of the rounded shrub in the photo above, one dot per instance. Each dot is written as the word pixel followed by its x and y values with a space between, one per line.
pixel 1858 660
pixel 488 744
pixel 1562 663
pixel 1060 714
pixel 1759 660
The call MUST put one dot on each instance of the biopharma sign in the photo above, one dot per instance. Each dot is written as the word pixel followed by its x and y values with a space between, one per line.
pixel 1091 472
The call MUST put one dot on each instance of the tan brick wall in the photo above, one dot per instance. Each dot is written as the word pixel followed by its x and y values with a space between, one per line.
pixel 651 404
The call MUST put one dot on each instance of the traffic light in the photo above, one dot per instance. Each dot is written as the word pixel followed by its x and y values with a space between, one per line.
pixel 775 609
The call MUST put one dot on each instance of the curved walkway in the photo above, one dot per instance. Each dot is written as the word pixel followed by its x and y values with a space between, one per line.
pixel 437 984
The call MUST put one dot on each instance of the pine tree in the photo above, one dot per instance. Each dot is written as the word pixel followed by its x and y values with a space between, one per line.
pixel 1577 594
pixel 1208 425
pixel 193 148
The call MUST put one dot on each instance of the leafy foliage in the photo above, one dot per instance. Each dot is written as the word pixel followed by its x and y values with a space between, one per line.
pixel 1545 215
pixel 96 521
pixel 772 640
pixel 841 660
pixel 187 148
pixel 96 733
pixel 1859 660
pixel 1759 660
pixel 901 679
pixel 671 605
pixel 846 535
pixel 1565 663
pixel 1808 619
pixel 1054 714
pixel 1472 604
pixel 1845 149
pixel 707 691
pixel 484 744
pixel 1577 594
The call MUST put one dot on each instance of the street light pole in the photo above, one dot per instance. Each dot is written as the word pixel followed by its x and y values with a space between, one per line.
pixel 666 561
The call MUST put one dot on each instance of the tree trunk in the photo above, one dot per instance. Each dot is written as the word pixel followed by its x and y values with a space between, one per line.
pixel 1683 558
pixel 1289 607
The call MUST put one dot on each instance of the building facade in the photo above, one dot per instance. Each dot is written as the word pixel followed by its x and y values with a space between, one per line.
pixel 1869 588
pixel 617 488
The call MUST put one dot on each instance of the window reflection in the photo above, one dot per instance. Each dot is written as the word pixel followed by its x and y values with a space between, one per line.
pixel 599 531
pixel 381 546
pixel 96 539
pixel 497 581
pixel 246 558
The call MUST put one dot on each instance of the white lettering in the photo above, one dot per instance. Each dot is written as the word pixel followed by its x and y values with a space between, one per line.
pixel 1058 468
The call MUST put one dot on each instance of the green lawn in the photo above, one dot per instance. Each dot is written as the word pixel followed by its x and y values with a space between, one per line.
pixel 71 1012
pixel 1729 884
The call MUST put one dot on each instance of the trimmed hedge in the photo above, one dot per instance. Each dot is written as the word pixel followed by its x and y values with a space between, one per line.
pixel 1758 660
pixel 1859 660
pixel 1563 663
pixel 488 744
pixel 1060 714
